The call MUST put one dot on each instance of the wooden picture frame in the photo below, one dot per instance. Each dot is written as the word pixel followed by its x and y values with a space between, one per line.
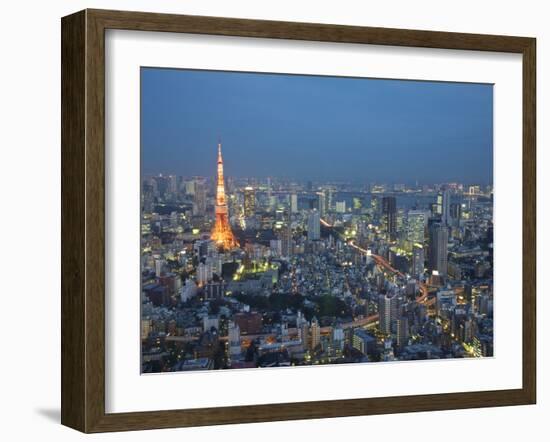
pixel 83 220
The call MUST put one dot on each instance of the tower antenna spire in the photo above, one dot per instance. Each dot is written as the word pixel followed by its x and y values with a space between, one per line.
pixel 222 233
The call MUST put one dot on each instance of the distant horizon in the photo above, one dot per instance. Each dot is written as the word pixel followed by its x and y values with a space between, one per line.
pixel 313 128
pixel 318 180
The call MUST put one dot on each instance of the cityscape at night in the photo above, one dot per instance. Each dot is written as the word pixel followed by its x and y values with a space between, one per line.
pixel 294 220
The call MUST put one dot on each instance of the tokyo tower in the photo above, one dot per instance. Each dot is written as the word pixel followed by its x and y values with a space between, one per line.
pixel 222 234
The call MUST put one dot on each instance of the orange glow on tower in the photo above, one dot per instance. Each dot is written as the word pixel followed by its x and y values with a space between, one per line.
pixel 222 233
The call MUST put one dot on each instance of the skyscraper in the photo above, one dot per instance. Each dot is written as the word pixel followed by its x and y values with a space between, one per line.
pixel 417 221
pixel 417 260
pixel 314 226
pixel 293 203
pixel 444 206
pixel 439 236
pixel 249 201
pixel 387 311
pixel 389 210
pixel 456 214
pixel 402 331
pixel 222 233
pixel 199 198
pixel 322 203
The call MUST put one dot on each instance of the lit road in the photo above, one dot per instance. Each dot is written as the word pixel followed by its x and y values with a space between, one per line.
pixel 362 322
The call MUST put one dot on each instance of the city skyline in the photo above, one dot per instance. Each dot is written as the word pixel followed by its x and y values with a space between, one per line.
pixel 441 132
pixel 309 268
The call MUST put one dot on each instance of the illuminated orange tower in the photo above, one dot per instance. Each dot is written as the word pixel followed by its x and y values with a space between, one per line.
pixel 222 233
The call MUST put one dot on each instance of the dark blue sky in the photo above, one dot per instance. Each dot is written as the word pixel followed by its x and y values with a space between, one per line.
pixel 313 127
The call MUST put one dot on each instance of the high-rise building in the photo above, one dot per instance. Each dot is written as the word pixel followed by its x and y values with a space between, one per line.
pixel 329 194
pixel 199 198
pixel 402 331
pixel 341 206
pixel 322 203
pixel 249 201
pixel 172 183
pixel 315 331
pixel 314 226
pixel 456 214
pixel 417 221
pixel 234 339
pixel 222 233
pixel 439 236
pixel 444 206
pixel 387 311
pixel 418 258
pixel 389 210
pixel 286 239
pixel 293 203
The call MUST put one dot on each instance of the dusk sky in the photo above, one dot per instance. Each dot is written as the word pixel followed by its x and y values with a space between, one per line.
pixel 315 128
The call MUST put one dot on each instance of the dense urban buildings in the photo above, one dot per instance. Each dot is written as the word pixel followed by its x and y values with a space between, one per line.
pixel 273 272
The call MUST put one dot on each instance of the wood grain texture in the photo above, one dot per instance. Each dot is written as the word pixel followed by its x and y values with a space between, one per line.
pixel 73 292
pixel 83 219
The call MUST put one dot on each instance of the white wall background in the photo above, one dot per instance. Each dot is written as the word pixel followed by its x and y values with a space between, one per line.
pixel 30 214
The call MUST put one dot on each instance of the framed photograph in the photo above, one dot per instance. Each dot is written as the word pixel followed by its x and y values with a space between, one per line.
pixel 268 220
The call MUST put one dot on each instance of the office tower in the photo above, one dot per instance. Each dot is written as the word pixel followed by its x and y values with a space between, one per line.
pixel 389 210
pixel 303 328
pixel 315 331
pixel 222 233
pixel 387 311
pixel 172 183
pixel 402 331
pixel 286 239
pixel 417 221
pixel 328 205
pixel 439 235
pixel 249 202
pixel 418 259
pixel 338 337
pixel 293 203
pixel 199 198
pixel 314 226
pixel 322 204
pixel 455 214
pixel 341 206
pixel 444 206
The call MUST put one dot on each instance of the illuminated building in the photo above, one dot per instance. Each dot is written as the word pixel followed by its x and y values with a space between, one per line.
pixel 387 310
pixel 322 203
pixel 222 234
pixel 249 201
pixel 313 226
pixel 389 210
pixel 417 260
pixel 439 235
pixel 417 220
